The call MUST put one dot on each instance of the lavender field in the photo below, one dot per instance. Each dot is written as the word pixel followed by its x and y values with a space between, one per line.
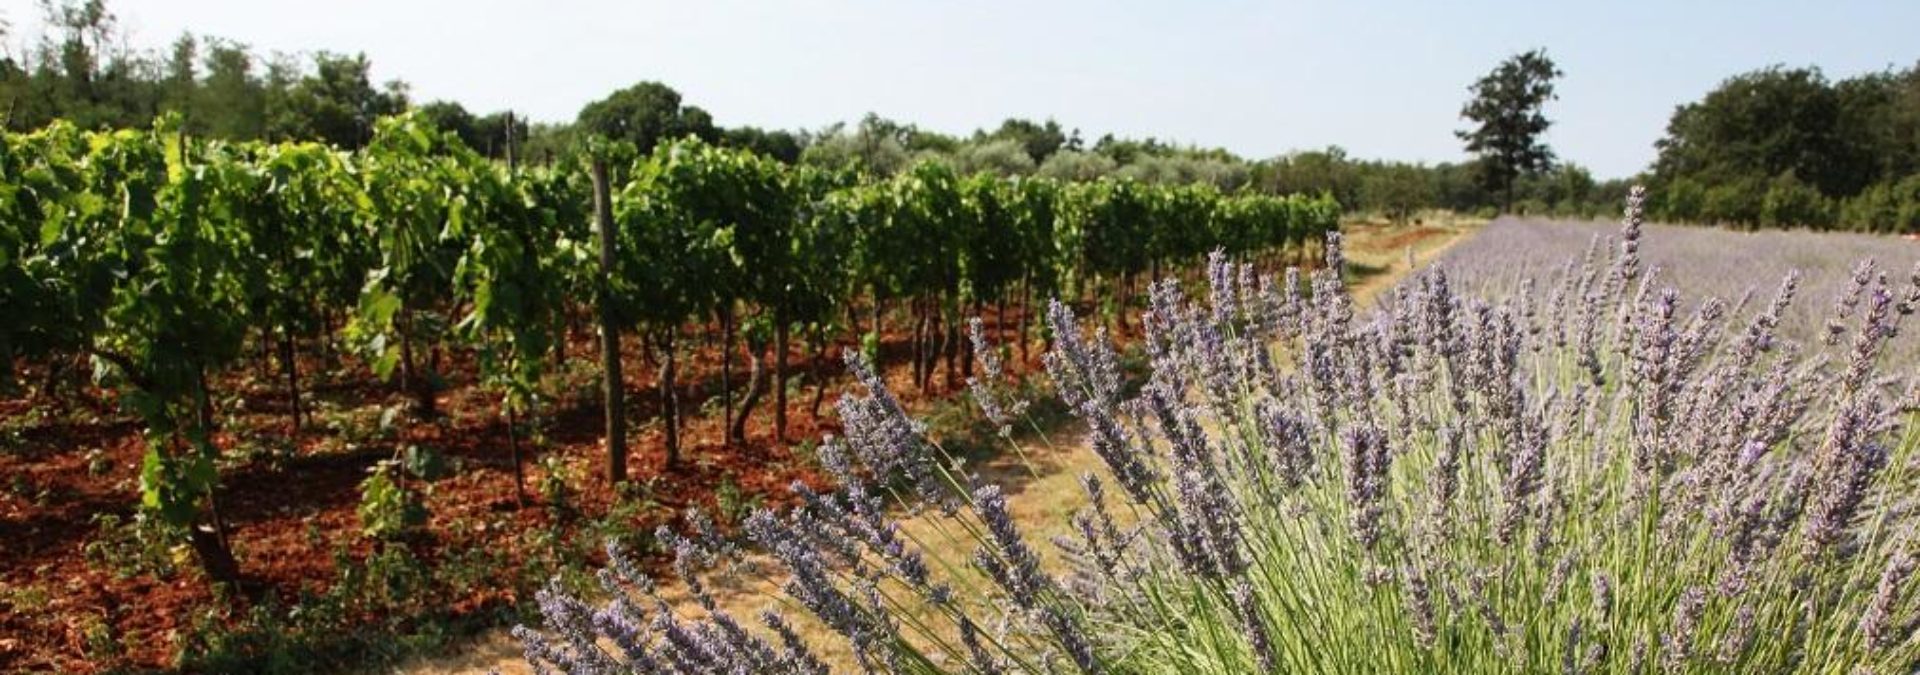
pixel 1735 266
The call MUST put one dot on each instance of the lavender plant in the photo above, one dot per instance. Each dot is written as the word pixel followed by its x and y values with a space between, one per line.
pixel 1617 479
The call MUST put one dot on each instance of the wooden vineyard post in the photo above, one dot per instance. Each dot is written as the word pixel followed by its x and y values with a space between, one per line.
pixel 512 161
pixel 613 386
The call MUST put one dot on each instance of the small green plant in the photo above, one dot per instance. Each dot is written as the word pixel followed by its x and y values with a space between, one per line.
pixel 131 547
pixel 807 451
pixel 99 640
pixel 389 510
pixel 634 506
pixel 733 503
pixel 26 600
pixel 272 451
pixel 870 345
pixel 555 477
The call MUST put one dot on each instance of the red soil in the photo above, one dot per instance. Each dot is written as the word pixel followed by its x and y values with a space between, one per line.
pixel 286 518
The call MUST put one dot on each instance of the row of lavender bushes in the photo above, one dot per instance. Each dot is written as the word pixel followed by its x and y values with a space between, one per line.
pixel 1590 472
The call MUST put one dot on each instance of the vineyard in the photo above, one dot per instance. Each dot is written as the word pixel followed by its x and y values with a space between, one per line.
pixel 678 339
pixel 189 323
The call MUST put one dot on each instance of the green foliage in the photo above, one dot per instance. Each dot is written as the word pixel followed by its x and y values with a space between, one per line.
pixel 389 509
pixel 1005 157
pixel 1040 141
pixel 337 103
pixel 645 114
pixel 1885 207
pixel 1507 110
pixel 133 546
pixel 1765 123
pixel 875 147
pixel 1073 165
pixel 1309 172
pixel 777 144
pixel 1791 203
pixel 423 462
pixel 731 503
pixel 1797 149
pixel 1736 202
pixel 555 480
pixel 1397 191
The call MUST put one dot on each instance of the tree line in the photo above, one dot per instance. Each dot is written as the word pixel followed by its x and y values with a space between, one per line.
pixel 158 256
pixel 1787 147
pixel 1776 147
pixel 83 70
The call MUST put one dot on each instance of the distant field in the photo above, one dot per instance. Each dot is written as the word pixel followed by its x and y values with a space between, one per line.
pixel 1700 262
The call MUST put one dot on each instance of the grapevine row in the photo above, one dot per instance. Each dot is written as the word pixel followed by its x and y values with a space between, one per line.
pixel 156 257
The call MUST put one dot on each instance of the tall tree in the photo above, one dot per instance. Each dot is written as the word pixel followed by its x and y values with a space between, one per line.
pixel 336 103
pixel 1039 140
pixel 776 143
pixel 231 102
pixel 1770 122
pixel 181 79
pixel 646 114
pixel 1508 112
pixel 452 117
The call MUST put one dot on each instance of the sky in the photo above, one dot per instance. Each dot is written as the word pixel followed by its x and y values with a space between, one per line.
pixel 1381 79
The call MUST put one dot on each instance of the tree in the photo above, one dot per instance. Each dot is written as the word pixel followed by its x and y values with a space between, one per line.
pixel 646 114
pixel 1839 138
pixel 1312 172
pixel 231 102
pixel 836 149
pixel 1508 108
pixel 177 89
pixel 776 143
pixel 1002 158
pixel 336 103
pixel 490 133
pixel 1074 165
pixel 451 117
pixel 877 146
pixel 1039 141
pixel 1396 190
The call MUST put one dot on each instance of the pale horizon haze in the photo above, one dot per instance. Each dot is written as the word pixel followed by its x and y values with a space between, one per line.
pixel 1383 80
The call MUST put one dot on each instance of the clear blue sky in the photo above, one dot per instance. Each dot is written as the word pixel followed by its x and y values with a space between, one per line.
pixel 1381 79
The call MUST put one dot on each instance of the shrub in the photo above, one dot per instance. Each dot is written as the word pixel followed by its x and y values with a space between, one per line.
pixel 1616 480
pixel 1885 207
pixel 1790 203
pixel 1683 200
pixel 1735 202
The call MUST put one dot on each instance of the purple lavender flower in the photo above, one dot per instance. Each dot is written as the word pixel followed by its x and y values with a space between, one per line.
pixel 1366 466
pixel 1415 592
pixel 1254 624
pixel 1847 300
pixel 890 443
pixel 1877 624
pixel 1009 562
pixel 1082 370
pixel 1680 637
pixel 1844 469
